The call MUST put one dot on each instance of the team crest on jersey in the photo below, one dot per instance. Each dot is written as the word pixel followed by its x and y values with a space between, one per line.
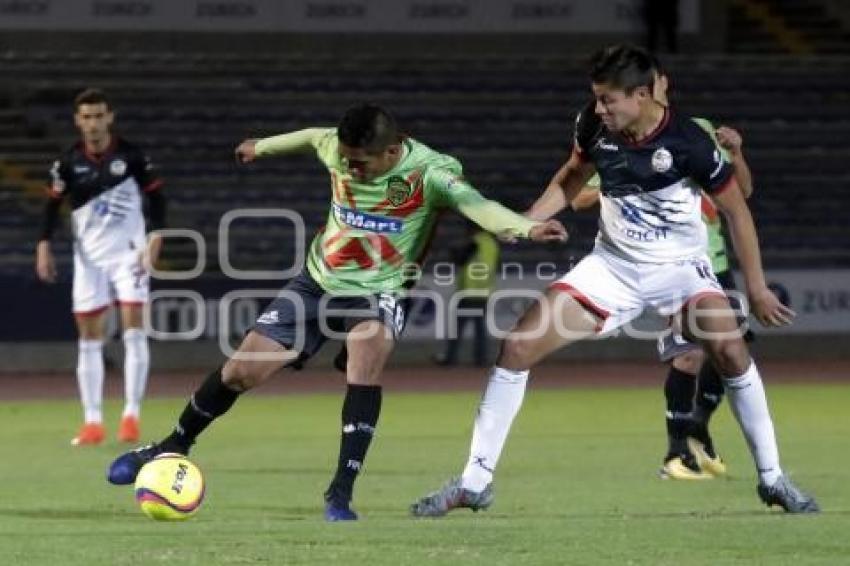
pixel 662 160
pixel 118 167
pixel 398 190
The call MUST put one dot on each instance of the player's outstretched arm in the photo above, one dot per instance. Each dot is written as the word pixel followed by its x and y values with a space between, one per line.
pixel 731 140
pixel 765 306
pixel 562 189
pixel 292 142
pixel 489 214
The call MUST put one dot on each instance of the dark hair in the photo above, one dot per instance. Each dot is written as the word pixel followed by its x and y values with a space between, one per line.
pixel 369 127
pixel 91 96
pixel 624 67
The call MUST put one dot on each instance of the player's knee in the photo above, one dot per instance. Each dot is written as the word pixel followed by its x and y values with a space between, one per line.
pixel 731 357
pixel 91 335
pixel 241 375
pixel 689 362
pixel 517 353
pixel 363 378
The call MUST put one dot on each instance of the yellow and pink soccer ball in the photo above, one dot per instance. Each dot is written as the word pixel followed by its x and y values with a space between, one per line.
pixel 170 488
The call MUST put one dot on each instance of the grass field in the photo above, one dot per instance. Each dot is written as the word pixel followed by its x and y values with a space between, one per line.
pixel 577 485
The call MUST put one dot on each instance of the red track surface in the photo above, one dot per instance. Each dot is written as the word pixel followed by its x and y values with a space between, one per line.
pixel 426 378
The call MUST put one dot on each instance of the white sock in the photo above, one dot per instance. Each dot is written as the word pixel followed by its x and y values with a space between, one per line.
pixel 90 379
pixel 136 363
pixel 749 405
pixel 496 412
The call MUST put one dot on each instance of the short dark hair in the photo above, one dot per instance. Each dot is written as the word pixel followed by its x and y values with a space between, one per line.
pixel 369 127
pixel 624 67
pixel 91 96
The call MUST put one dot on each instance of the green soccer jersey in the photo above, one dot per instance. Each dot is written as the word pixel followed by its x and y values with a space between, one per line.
pixel 377 231
pixel 711 218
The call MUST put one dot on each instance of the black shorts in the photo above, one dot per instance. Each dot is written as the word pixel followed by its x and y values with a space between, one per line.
pixel 301 316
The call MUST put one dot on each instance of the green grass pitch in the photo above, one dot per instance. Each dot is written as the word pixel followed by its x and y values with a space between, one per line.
pixel 577 485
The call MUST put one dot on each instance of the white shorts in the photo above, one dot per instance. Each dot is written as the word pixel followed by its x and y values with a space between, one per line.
pixel 618 291
pixel 96 286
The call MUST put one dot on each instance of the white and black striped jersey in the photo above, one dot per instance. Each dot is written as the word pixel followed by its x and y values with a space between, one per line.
pixel 650 189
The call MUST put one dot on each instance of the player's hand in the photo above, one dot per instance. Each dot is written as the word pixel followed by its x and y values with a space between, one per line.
pixel 45 265
pixel 768 309
pixel 729 139
pixel 150 256
pixel 246 151
pixel 549 231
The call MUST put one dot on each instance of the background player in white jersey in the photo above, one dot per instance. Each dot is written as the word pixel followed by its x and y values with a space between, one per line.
pixel 103 177
pixel 650 252
pixel 693 388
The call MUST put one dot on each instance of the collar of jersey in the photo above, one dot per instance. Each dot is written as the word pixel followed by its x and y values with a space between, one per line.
pixel 113 143
pixel 665 119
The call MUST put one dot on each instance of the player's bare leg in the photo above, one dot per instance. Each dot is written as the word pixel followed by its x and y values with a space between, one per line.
pixel 713 322
pixel 551 323
pixel 91 328
pixel 369 346
pixel 136 367
pixel 257 359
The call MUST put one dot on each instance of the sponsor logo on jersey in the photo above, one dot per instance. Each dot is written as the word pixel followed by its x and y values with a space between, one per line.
pixel 365 221
pixel 270 317
pixel 398 190
pixel 662 160
pixel 101 207
pixel 118 167
pixel 652 235
pixel 81 169
pixel 607 146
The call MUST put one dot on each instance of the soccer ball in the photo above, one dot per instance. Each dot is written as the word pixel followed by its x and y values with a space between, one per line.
pixel 170 488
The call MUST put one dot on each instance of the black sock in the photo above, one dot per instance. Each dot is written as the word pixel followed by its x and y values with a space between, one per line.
pixel 212 399
pixel 709 393
pixel 679 393
pixel 360 412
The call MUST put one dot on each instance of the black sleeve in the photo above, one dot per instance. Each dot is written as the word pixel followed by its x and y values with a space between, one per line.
pixel 586 128
pixel 146 173
pixel 706 165
pixel 57 179
pixel 55 189
pixel 50 218
pixel 156 209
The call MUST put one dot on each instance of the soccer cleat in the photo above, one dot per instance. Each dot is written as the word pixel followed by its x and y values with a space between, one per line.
pixel 706 458
pixel 90 434
pixel 788 496
pixel 339 511
pixel 124 469
pixel 128 430
pixel 682 467
pixel 452 496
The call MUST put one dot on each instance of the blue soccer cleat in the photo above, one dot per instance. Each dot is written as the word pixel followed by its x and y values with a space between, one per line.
pixel 339 511
pixel 124 469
